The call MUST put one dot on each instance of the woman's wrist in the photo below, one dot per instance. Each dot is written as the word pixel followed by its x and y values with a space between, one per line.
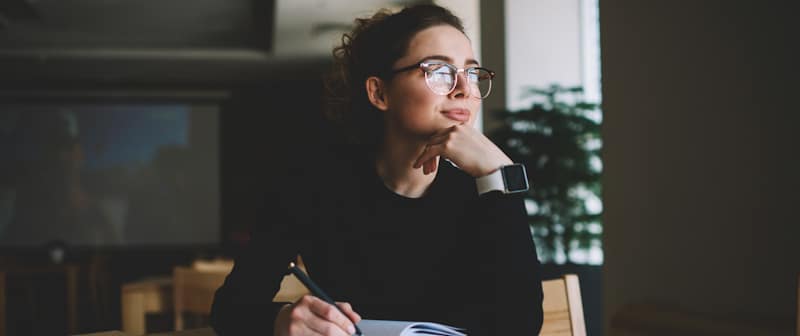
pixel 493 166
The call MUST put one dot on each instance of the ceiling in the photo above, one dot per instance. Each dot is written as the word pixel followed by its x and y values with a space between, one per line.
pixel 312 27
pixel 296 26
pixel 124 41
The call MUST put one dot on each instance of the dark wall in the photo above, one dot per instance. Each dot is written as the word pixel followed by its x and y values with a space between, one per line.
pixel 265 130
pixel 270 117
pixel 700 156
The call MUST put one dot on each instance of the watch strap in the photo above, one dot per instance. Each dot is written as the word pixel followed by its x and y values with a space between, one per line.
pixel 491 182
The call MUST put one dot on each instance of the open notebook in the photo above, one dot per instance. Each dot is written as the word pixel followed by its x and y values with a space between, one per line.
pixel 403 328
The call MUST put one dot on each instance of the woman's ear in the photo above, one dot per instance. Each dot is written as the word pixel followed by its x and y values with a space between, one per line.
pixel 376 93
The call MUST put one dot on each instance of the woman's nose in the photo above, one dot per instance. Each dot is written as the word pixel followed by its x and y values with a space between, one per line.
pixel 462 88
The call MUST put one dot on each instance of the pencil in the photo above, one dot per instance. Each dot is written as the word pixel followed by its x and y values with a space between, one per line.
pixel 316 291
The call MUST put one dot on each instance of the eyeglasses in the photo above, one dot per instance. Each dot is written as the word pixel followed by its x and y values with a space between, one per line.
pixel 442 77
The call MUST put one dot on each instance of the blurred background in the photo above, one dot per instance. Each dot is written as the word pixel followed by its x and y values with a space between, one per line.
pixel 137 139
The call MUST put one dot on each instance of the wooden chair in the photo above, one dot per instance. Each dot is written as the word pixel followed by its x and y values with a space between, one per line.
pixel 291 288
pixel 194 288
pixel 105 333
pixel 215 265
pixel 157 295
pixel 563 308
pixel 143 297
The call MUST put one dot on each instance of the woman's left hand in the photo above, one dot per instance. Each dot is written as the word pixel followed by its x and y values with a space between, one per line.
pixel 465 146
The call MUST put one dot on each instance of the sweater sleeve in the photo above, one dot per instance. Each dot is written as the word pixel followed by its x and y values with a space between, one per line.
pixel 513 270
pixel 243 304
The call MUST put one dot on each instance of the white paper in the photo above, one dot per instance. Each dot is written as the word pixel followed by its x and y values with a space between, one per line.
pixel 405 328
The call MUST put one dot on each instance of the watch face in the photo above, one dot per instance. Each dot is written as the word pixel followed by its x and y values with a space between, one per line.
pixel 515 178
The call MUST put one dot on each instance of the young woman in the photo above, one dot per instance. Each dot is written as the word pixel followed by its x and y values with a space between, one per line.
pixel 416 219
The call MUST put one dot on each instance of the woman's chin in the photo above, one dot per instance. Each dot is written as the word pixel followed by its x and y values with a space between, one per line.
pixel 452 122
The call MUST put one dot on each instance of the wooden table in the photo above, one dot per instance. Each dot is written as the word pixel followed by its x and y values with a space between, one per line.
pixel 191 332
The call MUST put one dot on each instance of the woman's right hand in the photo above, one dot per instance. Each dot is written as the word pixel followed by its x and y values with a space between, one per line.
pixel 313 316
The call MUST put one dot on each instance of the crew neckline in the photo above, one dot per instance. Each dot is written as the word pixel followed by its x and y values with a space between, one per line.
pixel 385 189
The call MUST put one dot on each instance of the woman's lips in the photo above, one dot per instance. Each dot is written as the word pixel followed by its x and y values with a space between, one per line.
pixel 460 115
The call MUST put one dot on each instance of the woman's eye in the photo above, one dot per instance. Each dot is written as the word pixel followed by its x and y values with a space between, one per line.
pixel 473 75
pixel 436 67
pixel 443 70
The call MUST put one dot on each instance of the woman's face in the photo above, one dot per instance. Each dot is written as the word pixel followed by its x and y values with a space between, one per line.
pixel 412 108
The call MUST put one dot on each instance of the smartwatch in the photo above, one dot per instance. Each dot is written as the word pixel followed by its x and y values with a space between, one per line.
pixel 508 180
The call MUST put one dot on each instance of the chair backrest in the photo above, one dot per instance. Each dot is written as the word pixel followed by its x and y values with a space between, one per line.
pixel 193 290
pixel 194 287
pixel 105 333
pixel 218 264
pixel 291 288
pixel 563 308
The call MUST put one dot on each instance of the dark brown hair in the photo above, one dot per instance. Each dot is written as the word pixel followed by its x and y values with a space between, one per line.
pixel 371 49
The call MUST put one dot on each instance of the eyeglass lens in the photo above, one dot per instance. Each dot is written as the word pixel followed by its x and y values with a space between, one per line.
pixel 441 79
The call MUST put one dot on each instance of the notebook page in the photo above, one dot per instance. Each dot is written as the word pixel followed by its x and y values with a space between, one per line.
pixel 382 327
pixel 405 328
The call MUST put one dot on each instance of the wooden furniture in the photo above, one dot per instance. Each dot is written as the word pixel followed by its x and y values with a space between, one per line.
pixel 190 332
pixel 193 291
pixel 291 288
pixel 563 308
pixel 148 296
pixel 106 333
pixel 562 305
pixel 214 265
pixel 194 288
pixel 157 295
pixel 190 290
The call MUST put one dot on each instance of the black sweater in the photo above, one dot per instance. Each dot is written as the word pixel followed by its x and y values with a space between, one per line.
pixel 450 256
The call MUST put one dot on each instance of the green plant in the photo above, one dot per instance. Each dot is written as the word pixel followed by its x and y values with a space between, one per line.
pixel 558 140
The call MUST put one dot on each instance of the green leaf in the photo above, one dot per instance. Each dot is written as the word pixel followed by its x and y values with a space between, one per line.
pixel 550 138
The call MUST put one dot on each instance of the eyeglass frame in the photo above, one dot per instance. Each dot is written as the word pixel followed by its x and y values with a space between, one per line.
pixel 419 65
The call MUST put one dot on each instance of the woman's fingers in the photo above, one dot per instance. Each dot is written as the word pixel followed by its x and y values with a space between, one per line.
pixel 313 316
pixel 328 313
pixel 432 164
pixel 348 310
pixel 468 148
pixel 430 152
pixel 319 326
pixel 436 145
